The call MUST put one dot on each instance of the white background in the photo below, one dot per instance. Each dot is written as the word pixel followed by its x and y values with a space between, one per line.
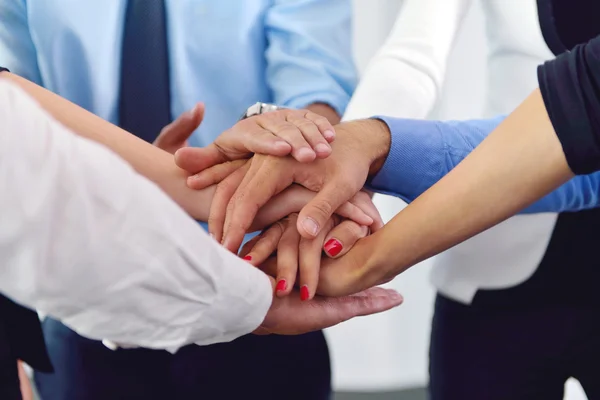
pixel 389 351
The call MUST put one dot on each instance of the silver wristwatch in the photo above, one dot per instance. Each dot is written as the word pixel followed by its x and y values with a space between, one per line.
pixel 260 108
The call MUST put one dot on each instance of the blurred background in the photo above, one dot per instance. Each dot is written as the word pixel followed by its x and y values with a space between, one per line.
pixel 385 356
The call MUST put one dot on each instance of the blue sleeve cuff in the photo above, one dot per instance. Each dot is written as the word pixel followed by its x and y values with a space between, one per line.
pixel 415 160
pixel 337 101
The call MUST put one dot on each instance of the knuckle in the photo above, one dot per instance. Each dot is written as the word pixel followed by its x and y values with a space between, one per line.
pixel 322 121
pixel 305 124
pixel 323 208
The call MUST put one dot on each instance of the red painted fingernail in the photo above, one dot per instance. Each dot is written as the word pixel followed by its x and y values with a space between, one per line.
pixel 281 286
pixel 333 247
pixel 304 293
pixel 248 258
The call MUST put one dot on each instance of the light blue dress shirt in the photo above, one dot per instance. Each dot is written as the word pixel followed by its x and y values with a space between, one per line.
pixel 423 152
pixel 226 53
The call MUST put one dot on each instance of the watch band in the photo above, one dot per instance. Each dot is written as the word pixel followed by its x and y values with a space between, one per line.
pixel 260 108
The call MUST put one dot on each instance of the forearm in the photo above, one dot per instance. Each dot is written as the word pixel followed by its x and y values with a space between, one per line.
pixel 521 161
pixel 153 163
pixel 86 234
pixel 423 152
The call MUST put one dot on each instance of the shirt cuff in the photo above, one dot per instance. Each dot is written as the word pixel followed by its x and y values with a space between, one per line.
pixel 245 309
pixel 338 102
pixel 411 166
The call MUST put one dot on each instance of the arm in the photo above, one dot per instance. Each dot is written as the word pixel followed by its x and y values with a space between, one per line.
pixel 153 163
pixel 423 152
pixel 554 133
pixel 87 241
pixel 406 75
pixel 309 56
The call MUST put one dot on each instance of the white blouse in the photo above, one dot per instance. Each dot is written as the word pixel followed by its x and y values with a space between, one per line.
pixel 405 79
pixel 87 240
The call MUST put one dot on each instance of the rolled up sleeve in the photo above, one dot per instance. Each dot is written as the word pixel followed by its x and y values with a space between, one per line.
pixel 309 54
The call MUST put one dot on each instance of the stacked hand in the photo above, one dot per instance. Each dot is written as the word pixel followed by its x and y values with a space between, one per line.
pixel 287 147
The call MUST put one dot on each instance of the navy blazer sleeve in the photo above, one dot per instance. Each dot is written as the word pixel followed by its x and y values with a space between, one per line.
pixel 570 87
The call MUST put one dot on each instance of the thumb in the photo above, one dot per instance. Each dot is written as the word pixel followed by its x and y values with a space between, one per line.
pixel 371 301
pixel 318 211
pixel 197 159
pixel 177 132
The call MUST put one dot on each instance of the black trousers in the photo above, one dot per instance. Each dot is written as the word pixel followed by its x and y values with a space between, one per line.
pixel 251 367
pixel 523 353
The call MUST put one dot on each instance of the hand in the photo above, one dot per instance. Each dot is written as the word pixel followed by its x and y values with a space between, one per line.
pixel 25 383
pixel 290 316
pixel 360 149
pixel 295 253
pixel 362 267
pixel 301 133
pixel 292 199
pixel 175 135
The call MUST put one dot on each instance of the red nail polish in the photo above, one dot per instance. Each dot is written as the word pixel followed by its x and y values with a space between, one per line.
pixel 333 247
pixel 248 258
pixel 281 286
pixel 304 293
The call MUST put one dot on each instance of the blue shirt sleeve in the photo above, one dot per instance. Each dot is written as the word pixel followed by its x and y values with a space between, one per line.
pixel 422 152
pixel 309 54
pixel 17 51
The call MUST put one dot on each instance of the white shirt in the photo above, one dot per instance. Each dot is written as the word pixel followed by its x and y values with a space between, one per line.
pixel 405 79
pixel 87 240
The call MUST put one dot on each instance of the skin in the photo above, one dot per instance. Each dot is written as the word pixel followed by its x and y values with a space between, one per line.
pixel 520 162
pixel 157 165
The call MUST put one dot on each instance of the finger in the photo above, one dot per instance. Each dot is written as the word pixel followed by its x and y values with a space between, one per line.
pixel 266 245
pixel 316 213
pixel 341 238
pixel 196 159
pixel 310 263
pixel 325 127
pixel 264 142
pixel 214 175
pixel 174 135
pixel 311 134
pixel 365 203
pixel 258 186
pixel 269 267
pixel 329 311
pixel 248 246
pixel 369 302
pixel 301 149
pixel 218 207
pixel 287 258
pixel 354 213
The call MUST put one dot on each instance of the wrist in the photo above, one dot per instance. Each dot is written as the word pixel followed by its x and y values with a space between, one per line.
pixel 372 137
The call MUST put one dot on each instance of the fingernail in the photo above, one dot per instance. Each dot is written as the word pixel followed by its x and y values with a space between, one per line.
pixel 305 153
pixel 395 296
pixel 304 293
pixel 333 247
pixel 191 113
pixel 281 286
pixel 282 146
pixel 212 236
pixel 329 134
pixel 322 148
pixel 247 258
pixel 310 226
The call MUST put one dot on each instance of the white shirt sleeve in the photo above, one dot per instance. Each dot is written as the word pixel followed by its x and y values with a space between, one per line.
pixel 404 78
pixel 87 240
